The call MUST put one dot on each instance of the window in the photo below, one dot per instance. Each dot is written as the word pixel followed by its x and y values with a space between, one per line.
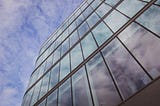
pixel 103 90
pixel 150 19
pixel 76 56
pixel 65 46
pixel 87 11
pixel 101 33
pixel 54 76
pixel 144 46
pixel 57 54
pixel 115 20
pixel 103 9
pixel 64 67
pixel 65 94
pixel 88 45
pixel 44 85
pixel 129 75
pixel 93 19
pixel 83 29
pixel 80 19
pixel 95 3
pixel 74 38
pixel 112 2
pixel 52 99
pixel 81 93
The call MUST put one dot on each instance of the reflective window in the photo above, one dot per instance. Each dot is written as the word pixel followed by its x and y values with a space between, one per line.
pixel 58 41
pixel 76 53
pixel 44 85
pixel 72 18
pixel 54 76
pixel 101 33
pixel 150 19
pixel 144 46
pixel 36 92
pixel 72 27
pixel 64 35
pixel 83 29
pixel 51 48
pixel 80 19
pixel 130 7
pixel 84 6
pixel 42 103
pixel 88 45
pixel 112 2
pixel 41 69
pixel 57 54
pixel 115 20
pixel 95 3
pixel 28 97
pixel 129 75
pixel 49 62
pixel 65 46
pixel 103 89
pixel 74 38
pixel 81 93
pixel 64 67
pixel 52 99
pixel 65 94
pixel 93 19
pixel 87 11
pixel 103 9
pixel 158 2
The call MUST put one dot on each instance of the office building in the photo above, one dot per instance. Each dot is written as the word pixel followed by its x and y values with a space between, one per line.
pixel 107 53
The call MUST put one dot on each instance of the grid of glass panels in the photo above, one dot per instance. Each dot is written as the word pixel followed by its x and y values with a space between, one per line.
pixel 87 58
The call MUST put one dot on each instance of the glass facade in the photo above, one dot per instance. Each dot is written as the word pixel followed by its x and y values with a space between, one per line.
pixel 105 52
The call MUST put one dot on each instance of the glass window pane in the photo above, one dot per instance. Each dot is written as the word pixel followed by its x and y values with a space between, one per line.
pixel 41 69
pixel 72 27
pixel 76 52
pixel 115 20
pixel 43 103
pixel 54 76
pixel 36 92
pixel 52 99
pixel 44 85
pixel 57 54
pixel 144 46
pixel 103 9
pixel 87 11
pixel 64 67
pixel 65 94
pixel 157 2
pixel 103 89
pixel 49 62
pixel 81 93
pixel 93 19
pixel 130 7
pixel 83 29
pixel 88 45
pixel 150 19
pixel 80 19
pixel 101 33
pixel 95 3
pixel 74 38
pixel 65 46
pixel 28 97
pixel 129 75
pixel 112 2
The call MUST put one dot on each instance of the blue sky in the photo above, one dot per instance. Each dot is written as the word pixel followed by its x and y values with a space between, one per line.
pixel 25 25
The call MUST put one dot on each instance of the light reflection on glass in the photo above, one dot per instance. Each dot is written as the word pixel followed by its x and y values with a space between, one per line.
pixel 128 74
pixel 81 94
pixel 103 89
pixel 150 19
pixel 144 46
pixel 65 94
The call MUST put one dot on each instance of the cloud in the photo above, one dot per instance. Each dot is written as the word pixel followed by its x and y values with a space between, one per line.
pixel 25 25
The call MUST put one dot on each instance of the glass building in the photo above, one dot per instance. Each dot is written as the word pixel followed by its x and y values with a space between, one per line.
pixel 104 54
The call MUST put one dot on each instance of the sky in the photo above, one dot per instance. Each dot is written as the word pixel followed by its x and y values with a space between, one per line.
pixel 25 25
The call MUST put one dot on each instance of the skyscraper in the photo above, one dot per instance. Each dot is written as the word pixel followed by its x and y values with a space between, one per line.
pixel 107 53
